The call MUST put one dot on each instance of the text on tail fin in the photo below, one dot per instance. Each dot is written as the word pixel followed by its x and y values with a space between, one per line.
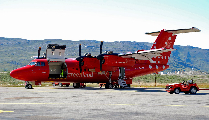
pixel 164 40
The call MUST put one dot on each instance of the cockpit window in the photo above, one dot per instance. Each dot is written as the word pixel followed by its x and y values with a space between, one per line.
pixel 40 64
pixel 32 63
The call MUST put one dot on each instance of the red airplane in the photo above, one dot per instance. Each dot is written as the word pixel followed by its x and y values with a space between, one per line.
pixel 110 68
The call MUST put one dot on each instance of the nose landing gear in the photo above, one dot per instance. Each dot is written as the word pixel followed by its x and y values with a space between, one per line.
pixel 28 85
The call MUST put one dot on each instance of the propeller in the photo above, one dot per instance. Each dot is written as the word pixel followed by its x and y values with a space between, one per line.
pixel 100 56
pixel 80 58
pixel 101 47
pixel 39 50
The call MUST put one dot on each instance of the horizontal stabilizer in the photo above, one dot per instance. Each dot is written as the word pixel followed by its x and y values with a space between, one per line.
pixel 193 29
pixel 146 55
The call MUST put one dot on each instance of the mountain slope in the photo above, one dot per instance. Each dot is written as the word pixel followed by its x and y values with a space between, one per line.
pixel 16 52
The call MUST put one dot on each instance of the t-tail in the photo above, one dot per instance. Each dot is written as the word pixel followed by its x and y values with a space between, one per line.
pixel 165 40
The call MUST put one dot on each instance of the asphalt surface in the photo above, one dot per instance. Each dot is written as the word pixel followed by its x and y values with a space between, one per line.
pixel 43 103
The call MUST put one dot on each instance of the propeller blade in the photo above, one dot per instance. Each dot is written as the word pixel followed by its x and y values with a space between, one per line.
pixel 100 61
pixel 39 50
pixel 100 65
pixel 101 47
pixel 79 49
pixel 80 66
pixel 80 58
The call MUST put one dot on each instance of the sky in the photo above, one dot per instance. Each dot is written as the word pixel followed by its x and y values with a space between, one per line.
pixel 104 20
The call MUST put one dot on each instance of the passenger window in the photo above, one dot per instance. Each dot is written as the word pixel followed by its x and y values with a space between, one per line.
pixel 38 64
pixel 42 63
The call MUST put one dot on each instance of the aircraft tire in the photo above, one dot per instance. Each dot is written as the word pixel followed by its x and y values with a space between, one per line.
pixel 60 84
pixel 76 85
pixel 67 85
pixel 29 86
pixel 108 86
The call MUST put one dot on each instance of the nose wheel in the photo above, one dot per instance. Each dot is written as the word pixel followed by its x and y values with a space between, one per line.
pixel 28 85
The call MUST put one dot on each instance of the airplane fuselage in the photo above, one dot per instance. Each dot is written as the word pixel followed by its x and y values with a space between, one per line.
pixel 41 73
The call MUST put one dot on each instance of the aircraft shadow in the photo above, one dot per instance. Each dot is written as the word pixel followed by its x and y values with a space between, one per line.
pixel 118 89
pixel 127 89
pixel 197 94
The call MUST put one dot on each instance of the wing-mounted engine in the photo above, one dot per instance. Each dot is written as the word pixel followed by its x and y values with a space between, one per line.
pixel 107 61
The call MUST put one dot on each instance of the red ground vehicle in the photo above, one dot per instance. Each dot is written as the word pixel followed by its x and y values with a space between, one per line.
pixel 186 87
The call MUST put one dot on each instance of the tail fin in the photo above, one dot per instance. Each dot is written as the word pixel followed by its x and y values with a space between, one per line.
pixel 166 40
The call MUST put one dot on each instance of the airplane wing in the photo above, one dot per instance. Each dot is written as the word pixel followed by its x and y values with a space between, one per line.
pixel 146 55
pixel 193 29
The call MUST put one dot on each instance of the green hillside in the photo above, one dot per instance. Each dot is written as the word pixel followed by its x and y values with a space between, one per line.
pixel 16 52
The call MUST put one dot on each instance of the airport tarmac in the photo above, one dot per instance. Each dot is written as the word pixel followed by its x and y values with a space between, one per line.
pixel 43 103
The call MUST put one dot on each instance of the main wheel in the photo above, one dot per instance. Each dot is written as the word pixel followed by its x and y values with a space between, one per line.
pixel 193 90
pixel 108 86
pixel 67 85
pixel 76 85
pixel 30 86
pixel 177 91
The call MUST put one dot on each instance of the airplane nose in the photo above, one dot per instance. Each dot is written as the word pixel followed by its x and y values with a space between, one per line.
pixel 14 74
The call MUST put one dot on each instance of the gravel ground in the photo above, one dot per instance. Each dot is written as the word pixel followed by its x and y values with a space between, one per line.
pixel 43 103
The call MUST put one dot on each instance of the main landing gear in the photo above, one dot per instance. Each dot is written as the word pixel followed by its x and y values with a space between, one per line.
pixel 109 85
pixel 28 85
pixel 79 85
pixel 121 80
